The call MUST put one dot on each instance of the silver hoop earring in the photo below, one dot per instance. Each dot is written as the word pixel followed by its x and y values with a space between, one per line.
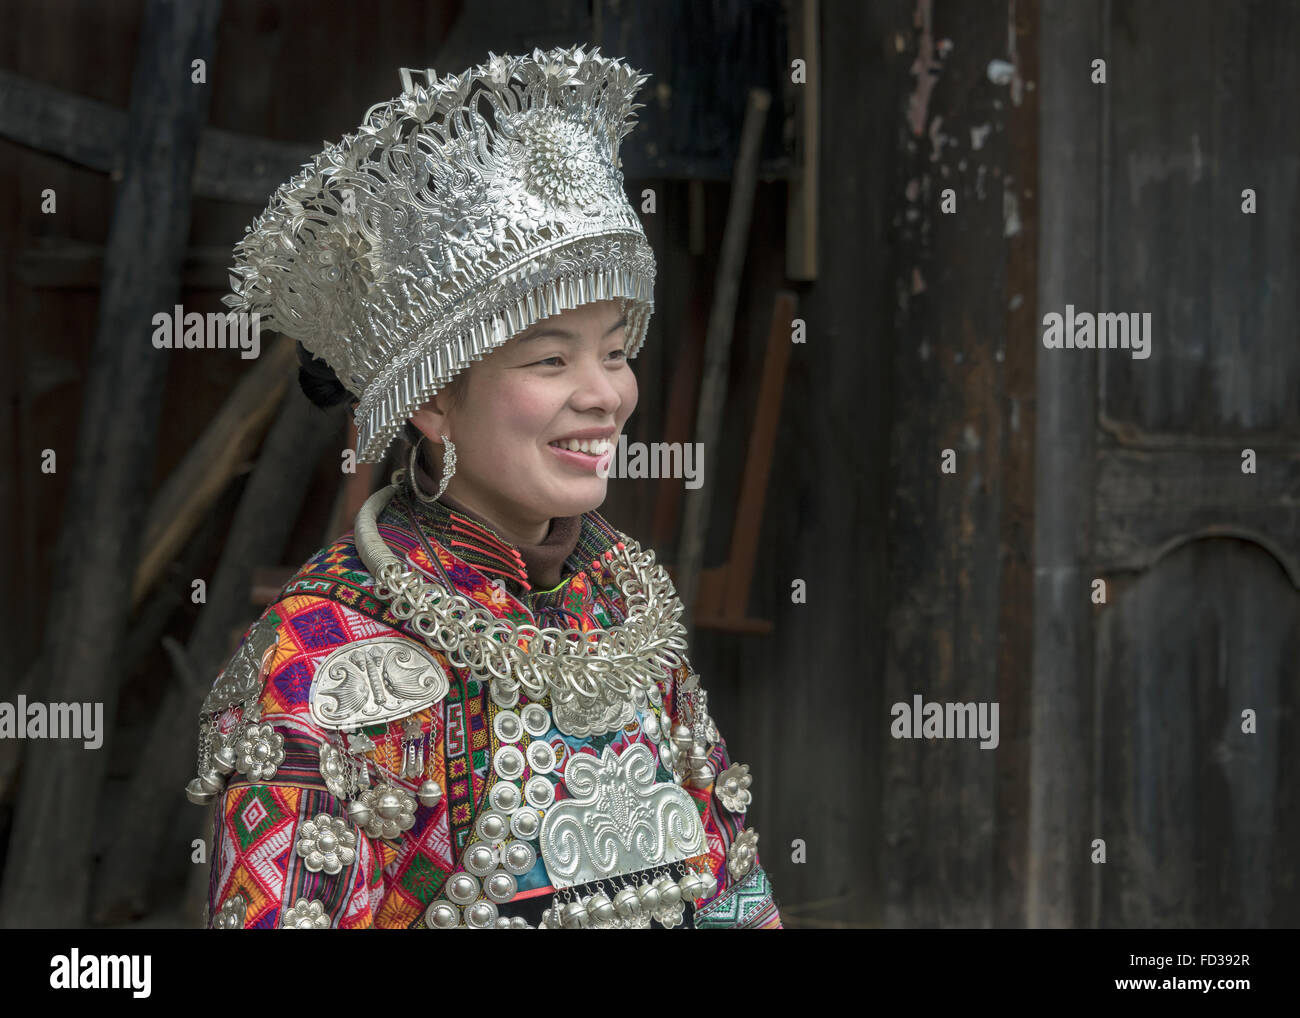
pixel 449 468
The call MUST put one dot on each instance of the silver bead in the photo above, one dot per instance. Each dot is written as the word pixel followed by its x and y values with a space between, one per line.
pixel 649 897
pixel 462 888
pixel 442 915
pixel 689 885
pixel 481 859
pixel 359 813
pixel 430 793
pixel 574 916
pixel 492 826
pixel 504 797
pixel 500 886
pixel 525 823
pixel 519 858
pixel 507 726
pixel 481 915
pixel 670 895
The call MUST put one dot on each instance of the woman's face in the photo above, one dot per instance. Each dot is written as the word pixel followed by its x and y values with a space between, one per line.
pixel 565 376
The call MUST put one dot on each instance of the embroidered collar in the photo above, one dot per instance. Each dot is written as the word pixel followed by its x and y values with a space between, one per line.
pixel 480 546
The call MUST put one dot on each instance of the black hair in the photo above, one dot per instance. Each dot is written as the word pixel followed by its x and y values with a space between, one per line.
pixel 318 381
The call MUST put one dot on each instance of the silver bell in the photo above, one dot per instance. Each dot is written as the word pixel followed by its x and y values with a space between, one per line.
pixel 670 895
pixel 627 904
pixel 359 813
pixel 430 793
pixel 600 908
pixel 224 760
pixel 212 782
pixel 649 897
pixel 690 886
pixel 195 793
pixel 574 916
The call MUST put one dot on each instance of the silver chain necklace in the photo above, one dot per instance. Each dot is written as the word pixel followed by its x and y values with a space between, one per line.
pixel 599 666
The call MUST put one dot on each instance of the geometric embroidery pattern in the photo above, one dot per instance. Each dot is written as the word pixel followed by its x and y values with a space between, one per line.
pixel 748 905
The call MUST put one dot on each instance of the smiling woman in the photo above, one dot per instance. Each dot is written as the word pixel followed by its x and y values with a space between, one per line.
pixel 476 708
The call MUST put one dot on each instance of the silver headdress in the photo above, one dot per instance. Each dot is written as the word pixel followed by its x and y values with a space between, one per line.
pixel 435 233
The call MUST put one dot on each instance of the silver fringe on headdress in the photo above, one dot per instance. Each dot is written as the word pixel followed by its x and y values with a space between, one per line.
pixel 435 233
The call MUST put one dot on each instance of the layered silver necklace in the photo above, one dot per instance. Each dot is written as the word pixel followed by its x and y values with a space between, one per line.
pixel 593 678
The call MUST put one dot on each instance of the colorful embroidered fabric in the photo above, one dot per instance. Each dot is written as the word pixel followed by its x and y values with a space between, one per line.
pixel 330 603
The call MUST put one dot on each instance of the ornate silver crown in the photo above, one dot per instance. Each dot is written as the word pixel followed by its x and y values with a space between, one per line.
pixel 460 213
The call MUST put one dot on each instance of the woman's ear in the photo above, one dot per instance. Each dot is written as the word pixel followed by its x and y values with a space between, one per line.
pixel 431 421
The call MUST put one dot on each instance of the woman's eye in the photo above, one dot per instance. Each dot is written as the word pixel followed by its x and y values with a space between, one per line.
pixel 620 354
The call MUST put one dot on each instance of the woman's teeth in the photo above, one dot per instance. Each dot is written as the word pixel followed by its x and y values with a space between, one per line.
pixel 591 446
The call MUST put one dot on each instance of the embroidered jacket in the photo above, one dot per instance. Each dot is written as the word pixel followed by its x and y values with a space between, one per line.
pixel 287 852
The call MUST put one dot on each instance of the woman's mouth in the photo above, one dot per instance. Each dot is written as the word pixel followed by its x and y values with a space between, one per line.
pixel 588 453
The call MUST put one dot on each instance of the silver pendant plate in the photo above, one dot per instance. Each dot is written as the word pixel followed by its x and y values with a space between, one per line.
pixel 618 821
pixel 376 680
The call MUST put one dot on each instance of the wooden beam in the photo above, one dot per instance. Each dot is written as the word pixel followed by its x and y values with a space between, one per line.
pixel 228 442
pixel 239 167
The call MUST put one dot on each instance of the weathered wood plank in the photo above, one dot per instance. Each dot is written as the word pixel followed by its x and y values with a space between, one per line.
pixel 1059 877
pixel 1149 502
pixel 1191 807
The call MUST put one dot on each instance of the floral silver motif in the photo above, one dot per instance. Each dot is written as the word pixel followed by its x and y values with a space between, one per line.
pixel 326 844
pixel 742 853
pixel 259 751
pixel 619 820
pixel 384 811
pixel 305 915
pixel 732 788
pixel 585 719
pixel 230 916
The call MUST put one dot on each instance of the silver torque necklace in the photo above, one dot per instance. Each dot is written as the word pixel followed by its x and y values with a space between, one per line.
pixel 601 665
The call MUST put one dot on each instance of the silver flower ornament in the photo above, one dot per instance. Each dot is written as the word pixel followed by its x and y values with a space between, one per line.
pixel 259 751
pixel 742 854
pixel 305 915
pixel 326 844
pixel 732 788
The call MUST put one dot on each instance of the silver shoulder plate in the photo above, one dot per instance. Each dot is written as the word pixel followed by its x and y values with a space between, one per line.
pixel 370 681
pixel 241 679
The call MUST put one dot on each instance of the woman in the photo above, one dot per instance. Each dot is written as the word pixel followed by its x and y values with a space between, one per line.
pixel 474 709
